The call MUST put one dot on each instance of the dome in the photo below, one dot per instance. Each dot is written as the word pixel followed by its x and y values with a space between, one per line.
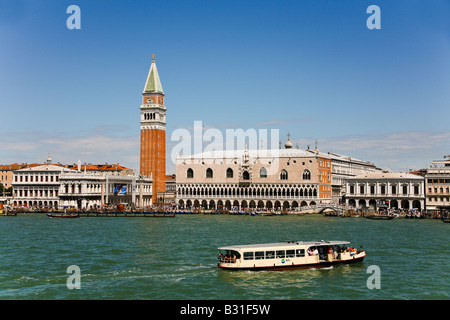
pixel 288 144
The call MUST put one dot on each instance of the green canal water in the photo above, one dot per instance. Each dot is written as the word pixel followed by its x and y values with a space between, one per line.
pixel 175 258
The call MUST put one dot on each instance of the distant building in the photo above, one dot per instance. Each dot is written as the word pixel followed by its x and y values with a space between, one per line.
pixel 437 184
pixel 344 167
pixel 91 191
pixel 420 172
pixel 171 183
pixel 390 190
pixel 55 186
pixel 111 169
pixel 37 185
pixel 6 174
pixel 7 171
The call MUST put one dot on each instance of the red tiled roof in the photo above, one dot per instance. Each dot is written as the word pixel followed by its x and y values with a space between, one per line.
pixel 170 177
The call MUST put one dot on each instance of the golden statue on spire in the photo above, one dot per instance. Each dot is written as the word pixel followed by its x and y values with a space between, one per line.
pixel 153 56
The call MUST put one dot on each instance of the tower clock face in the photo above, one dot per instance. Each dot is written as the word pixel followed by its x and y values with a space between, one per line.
pixel 149 100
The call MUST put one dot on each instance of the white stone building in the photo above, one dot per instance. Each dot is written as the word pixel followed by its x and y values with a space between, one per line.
pixel 437 184
pixel 343 167
pixel 56 186
pixel 393 190
pixel 37 186
pixel 89 191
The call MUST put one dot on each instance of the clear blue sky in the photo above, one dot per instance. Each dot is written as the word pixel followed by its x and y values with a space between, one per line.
pixel 312 68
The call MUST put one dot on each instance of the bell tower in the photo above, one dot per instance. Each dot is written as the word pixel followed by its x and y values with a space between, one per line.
pixel 153 132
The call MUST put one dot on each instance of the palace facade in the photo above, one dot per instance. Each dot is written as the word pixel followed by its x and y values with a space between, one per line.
pixel 386 189
pixel 343 167
pixel 56 186
pixel 37 185
pixel 437 184
pixel 92 191
pixel 271 179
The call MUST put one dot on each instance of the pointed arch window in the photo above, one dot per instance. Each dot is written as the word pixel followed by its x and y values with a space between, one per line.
pixel 229 173
pixel 263 173
pixel 283 175
pixel 306 175
pixel 246 175
pixel 209 173
pixel 190 173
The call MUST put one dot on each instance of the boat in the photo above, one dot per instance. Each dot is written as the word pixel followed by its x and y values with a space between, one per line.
pixel 288 255
pixel 5 212
pixel 379 217
pixel 444 213
pixel 62 215
pixel 8 214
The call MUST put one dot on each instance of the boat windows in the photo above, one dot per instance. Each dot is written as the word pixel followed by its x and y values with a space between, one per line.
pixel 270 254
pixel 229 256
pixel 290 253
pixel 278 254
pixel 300 252
pixel 248 255
pixel 259 255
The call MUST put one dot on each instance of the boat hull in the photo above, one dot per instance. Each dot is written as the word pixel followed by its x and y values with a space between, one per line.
pixel 62 216
pixel 374 217
pixel 321 264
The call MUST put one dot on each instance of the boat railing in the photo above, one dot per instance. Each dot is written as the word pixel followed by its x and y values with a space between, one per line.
pixel 227 260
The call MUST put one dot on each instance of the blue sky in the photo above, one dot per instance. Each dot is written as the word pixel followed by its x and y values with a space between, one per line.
pixel 311 68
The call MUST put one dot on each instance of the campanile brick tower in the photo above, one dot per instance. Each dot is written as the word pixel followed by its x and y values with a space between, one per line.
pixel 153 132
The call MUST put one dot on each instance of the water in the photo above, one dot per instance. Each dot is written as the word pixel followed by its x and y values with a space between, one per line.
pixel 175 258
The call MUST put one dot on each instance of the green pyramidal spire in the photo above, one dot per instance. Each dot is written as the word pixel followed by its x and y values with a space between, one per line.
pixel 153 83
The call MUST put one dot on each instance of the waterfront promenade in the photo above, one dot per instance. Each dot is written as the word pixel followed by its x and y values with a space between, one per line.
pixel 325 210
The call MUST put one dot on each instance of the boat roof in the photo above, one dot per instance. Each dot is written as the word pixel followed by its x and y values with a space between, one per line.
pixel 284 245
